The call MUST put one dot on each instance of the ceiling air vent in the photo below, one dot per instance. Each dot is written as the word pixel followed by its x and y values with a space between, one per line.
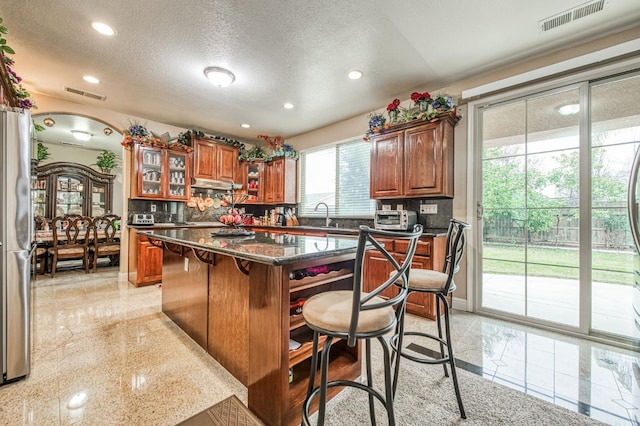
pixel 84 93
pixel 570 15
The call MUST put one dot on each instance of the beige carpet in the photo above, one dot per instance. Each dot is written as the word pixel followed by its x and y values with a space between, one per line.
pixel 426 397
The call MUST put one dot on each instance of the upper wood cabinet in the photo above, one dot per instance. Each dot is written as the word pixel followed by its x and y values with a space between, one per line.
pixel 71 188
pixel 280 180
pixel 161 174
pixel 216 161
pixel 271 182
pixel 414 159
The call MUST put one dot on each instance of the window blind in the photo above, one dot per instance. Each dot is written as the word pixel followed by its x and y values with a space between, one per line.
pixel 337 175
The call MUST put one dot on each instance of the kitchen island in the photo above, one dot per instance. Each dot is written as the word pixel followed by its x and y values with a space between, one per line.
pixel 236 296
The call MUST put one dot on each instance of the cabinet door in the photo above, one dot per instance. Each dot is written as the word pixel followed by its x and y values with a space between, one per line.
pixel 253 185
pixel 99 200
pixel 227 163
pixel 149 262
pixel 429 160
pixel 69 195
pixel 148 171
pixel 39 196
pixel 387 165
pixel 205 159
pixel 177 186
pixel 274 177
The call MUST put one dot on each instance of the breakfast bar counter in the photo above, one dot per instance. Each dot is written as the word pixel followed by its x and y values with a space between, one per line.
pixel 237 297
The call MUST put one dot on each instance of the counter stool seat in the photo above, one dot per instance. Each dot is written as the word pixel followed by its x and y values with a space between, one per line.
pixel 426 279
pixel 332 311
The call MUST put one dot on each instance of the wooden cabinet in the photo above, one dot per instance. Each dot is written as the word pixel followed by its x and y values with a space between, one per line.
pixel 149 262
pixel 280 181
pixel 216 161
pixel 414 159
pixel 429 255
pixel 271 182
pixel 161 174
pixel 71 188
pixel 253 183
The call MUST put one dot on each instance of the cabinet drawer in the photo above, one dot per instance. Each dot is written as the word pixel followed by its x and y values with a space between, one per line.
pixel 423 248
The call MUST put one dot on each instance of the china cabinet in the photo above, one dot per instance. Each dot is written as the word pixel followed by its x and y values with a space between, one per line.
pixel 161 174
pixel 414 159
pixel 71 188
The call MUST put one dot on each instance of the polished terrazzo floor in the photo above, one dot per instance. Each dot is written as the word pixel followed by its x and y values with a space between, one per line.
pixel 104 354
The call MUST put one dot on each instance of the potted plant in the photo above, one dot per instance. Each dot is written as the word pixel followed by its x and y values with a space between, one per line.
pixel 106 160
pixel 43 152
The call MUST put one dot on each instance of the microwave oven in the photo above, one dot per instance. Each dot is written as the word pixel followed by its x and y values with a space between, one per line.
pixel 396 220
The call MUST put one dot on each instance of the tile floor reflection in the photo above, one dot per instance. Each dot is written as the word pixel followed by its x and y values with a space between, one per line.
pixel 104 354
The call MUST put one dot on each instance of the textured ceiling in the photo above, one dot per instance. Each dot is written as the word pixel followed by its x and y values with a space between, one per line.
pixel 280 51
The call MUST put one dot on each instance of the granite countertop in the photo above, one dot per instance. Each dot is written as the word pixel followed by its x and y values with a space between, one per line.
pixel 263 247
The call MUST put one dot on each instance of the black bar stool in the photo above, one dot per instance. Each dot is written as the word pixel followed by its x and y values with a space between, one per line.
pixel 440 284
pixel 355 315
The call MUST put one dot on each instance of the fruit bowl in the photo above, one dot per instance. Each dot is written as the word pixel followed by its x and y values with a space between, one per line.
pixel 232 218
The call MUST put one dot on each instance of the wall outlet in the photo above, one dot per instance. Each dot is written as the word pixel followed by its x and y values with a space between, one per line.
pixel 186 264
pixel 399 207
pixel 386 207
pixel 153 208
pixel 428 209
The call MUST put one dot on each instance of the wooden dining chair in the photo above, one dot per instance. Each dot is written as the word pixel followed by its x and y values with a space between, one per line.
pixel 106 239
pixel 40 255
pixel 71 235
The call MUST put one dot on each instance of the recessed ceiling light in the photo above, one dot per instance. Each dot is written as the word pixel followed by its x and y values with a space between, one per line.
pixel 90 79
pixel 245 125
pixel 81 135
pixel 288 105
pixel 219 76
pixel 569 109
pixel 103 28
pixel 49 122
pixel 354 75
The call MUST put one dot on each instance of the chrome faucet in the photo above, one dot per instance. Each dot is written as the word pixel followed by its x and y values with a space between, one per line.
pixel 326 220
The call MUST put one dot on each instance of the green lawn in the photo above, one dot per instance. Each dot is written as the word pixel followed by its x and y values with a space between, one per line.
pixel 614 267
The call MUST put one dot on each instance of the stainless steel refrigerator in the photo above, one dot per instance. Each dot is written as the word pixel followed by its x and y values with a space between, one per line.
pixel 15 241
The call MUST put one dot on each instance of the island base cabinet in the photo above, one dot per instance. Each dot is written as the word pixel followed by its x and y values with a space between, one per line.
pixel 184 292
pixel 240 312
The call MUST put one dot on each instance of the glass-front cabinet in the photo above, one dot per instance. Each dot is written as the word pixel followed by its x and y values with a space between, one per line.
pixel 161 173
pixel 71 188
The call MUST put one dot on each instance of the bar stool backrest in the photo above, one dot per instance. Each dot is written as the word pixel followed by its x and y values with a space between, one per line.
pixel 455 244
pixel 368 240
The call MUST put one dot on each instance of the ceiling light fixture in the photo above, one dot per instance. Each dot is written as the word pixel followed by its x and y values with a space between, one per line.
pixel 81 135
pixel 569 109
pixel 219 76
pixel 354 75
pixel 107 131
pixel 49 122
pixel 288 105
pixel 245 125
pixel 90 79
pixel 103 28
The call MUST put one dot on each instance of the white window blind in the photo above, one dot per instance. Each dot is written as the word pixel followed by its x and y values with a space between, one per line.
pixel 339 176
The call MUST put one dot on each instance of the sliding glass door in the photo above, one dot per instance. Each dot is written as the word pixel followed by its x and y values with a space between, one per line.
pixel 555 241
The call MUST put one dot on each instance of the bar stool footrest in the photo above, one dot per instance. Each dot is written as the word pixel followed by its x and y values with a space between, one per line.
pixel 422 360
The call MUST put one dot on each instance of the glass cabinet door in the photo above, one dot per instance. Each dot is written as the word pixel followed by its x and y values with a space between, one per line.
pixel 98 200
pixel 69 195
pixel 151 176
pixel 178 178
pixel 39 197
